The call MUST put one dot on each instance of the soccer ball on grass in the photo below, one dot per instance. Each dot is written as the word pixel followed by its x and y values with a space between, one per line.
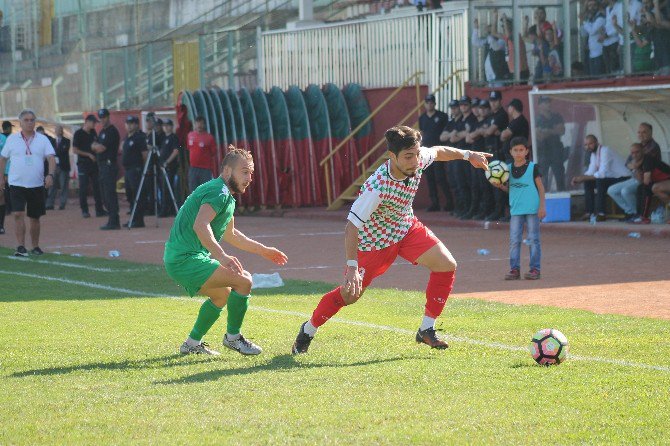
pixel 549 346
pixel 498 172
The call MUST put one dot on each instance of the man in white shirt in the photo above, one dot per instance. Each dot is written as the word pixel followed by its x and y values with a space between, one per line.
pixel 27 151
pixel 593 26
pixel 613 40
pixel 606 167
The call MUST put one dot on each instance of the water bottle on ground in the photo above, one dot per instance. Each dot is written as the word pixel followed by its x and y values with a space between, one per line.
pixel 634 235
pixel 114 253
pixel 483 252
pixel 592 220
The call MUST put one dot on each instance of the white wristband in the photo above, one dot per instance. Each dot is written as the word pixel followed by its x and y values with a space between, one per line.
pixel 466 155
pixel 353 263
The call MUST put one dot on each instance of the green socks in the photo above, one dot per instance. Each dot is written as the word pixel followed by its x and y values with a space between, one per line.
pixel 208 314
pixel 237 308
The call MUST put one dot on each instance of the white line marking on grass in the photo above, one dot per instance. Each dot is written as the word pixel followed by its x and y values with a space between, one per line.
pixel 86 245
pixel 465 340
pixel 79 266
pixel 82 283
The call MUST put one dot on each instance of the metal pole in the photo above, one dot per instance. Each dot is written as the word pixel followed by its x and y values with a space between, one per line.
pixel 103 67
pixel 201 59
pixel 231 67
pixel 126 75
pixel 567 42
pixel 259 57
pixel 150 64
pixel 516 36
pixel 627 63
pixel 36 43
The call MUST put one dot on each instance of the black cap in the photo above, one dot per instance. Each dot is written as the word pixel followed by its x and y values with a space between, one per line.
pixel 132 119
pixel 91 118
pixel 151 116
pixel 159 121
pixel 103 113
pixel 464 100
pixel 430 98
pixel 168 122
pixel 6 124
pixel 484 103
pixel 495 95
pixel 40 129
pixel 453 103
pixel 517 104
pixel 475 102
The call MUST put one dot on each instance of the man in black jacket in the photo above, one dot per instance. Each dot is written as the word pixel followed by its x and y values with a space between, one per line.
pixel 168 159
pixel 87 166
pixel 62 175
pixel 106 148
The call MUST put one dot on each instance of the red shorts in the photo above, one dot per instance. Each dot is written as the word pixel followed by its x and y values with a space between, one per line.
pixel 418 240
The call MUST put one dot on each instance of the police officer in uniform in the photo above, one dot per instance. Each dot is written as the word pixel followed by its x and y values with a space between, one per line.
pixel 169 159
pixel 106 148
pixel 498 122
pixel 463 171
pixel 134 156
pixel 87 167
pixel 431 124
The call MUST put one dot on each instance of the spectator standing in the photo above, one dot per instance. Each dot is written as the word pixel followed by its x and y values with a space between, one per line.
pixel 527 208
pixel 660 36
pixel 624 193
pixel 549 128
pixel 106 148
pixel 431 123
pixel 641 45
pixel 27 152
pixel 134 155
pixel 87 167
pixel 495 65
pixel 202 150
pixel 5 205
pixel 535 34
pixel 62 174
pixel 593 27
pixel 606 167
pixel 169 159
pixel 613 39
pixel 508 36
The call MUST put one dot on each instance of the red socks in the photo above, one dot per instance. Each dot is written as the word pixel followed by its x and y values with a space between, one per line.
pixel 437 292
pixel 328 307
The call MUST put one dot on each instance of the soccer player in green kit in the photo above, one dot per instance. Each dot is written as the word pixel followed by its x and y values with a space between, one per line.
pixel 195 259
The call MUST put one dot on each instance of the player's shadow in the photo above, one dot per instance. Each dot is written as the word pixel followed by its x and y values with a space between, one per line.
pixel 148 363
pixel 278 363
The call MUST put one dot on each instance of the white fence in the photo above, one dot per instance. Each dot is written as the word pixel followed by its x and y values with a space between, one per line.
pixel 378 52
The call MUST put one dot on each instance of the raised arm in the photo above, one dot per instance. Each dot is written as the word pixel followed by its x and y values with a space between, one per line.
pixel 477 159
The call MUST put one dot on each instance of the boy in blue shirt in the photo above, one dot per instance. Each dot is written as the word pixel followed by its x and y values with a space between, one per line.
pixel 527 206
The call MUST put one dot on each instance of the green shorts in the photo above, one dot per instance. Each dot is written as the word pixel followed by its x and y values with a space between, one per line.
pixel 190 270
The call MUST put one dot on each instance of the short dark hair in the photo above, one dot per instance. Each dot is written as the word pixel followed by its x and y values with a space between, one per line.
pixel 401 137
pixel 234 154
pixel 518 141
pixel 199 118
pixel 649 126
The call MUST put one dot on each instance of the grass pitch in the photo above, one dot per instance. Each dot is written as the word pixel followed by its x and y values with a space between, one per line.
pixel 88 351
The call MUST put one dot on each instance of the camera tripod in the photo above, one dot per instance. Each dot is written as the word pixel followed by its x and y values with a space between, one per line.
pixel 152 160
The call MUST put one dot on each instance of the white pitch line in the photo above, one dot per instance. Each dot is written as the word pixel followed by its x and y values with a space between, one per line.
pixel 80 266
pixel 466 340
pixel 86 245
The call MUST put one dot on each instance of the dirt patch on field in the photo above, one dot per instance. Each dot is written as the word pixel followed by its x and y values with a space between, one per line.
pixel 603 272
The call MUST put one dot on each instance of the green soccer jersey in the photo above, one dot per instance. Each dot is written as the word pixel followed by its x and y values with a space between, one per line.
pixel 183 240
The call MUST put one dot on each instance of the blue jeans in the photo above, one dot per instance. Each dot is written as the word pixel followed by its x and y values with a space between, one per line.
pixel 516 223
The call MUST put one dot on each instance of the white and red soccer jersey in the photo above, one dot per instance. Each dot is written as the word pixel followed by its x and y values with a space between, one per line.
pixel 383 210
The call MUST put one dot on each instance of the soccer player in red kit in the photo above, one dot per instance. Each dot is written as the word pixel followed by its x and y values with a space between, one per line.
pixel 382 226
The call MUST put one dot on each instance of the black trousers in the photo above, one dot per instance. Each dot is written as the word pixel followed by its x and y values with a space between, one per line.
pixel 108 174
pixel 461 173
pixel 89 176
pixel 552 159
pixel 436 175
pixel 595 193
pixel 133 176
